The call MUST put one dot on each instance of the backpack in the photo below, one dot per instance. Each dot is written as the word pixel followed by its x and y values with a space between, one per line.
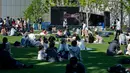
pixel 17 43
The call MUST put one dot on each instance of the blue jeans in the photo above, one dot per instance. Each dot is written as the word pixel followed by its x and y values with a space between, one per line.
pixel 23 41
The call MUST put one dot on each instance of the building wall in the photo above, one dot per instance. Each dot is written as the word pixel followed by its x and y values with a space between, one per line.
pixel 0 8
pixel 13 8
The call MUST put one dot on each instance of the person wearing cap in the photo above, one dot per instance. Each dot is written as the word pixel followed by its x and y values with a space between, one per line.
pixel 75 67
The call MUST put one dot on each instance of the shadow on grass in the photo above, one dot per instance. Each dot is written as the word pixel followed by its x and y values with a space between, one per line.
pixel 94 61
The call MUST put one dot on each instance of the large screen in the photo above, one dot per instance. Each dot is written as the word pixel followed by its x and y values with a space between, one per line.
pixel 59 14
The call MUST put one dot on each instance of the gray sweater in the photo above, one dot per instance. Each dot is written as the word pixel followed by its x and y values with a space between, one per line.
pixel 75 52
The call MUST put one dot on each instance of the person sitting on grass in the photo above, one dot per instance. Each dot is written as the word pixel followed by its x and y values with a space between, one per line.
pixel 51 39
pixel 6 45
pixel 99 39
pixel 12 31
pixel 41 53
pixel 4 31
pixel 114 48
pixel 24 40
pixel 122 39
pixel 52 54
pixel 8 62
pixel 44 32
pixel 60 34
pixel 75 67
pixel 127 49
pixel 32 40
pixel 80 43
pixel 45 43
pixel 67 32
pixel 63 49
pixel 75 50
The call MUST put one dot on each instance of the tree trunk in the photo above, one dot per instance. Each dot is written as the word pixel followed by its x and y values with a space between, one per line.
pixel 121 14
pixel 129 19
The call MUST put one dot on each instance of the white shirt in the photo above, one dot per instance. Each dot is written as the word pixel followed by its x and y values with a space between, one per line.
pixel 81 44
pixel 84 26
pixel 122 38
pixel 118 26
pixel 78 31
pixel 41 55
pixel 32 36
pixel 12 31
pixel 65 23
pixel 0 23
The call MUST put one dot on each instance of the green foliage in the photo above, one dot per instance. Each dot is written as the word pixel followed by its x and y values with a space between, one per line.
pixel 36 9
pixel 126 5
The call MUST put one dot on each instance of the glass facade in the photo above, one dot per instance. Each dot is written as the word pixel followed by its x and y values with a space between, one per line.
pixel 13 8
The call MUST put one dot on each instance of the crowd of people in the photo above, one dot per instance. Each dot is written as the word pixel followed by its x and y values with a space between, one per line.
pixel 15 27
pixel 48 51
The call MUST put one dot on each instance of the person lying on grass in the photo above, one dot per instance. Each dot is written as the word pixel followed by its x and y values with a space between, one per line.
pixel 114 48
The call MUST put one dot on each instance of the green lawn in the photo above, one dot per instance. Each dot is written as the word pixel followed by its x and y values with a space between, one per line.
pixel 95 61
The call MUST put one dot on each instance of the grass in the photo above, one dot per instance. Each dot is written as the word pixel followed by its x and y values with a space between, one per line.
pixel 95 61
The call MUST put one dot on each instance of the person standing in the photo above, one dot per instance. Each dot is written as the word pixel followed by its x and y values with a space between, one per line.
pixel 65 20
pixel 65 23
pixel 118 29
pixel 40 23
pixel 28 25
pixel 8 22
pixel 83 28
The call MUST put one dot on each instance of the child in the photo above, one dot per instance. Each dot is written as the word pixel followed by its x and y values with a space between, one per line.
pixel 41 53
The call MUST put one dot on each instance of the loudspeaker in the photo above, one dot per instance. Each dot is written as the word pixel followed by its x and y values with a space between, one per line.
pixel 107 19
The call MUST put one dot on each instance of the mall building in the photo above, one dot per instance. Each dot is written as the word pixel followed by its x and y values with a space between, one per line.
pixel 13 8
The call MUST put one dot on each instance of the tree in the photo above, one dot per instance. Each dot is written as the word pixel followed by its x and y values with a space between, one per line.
pixel 126 5
pixel 36 9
